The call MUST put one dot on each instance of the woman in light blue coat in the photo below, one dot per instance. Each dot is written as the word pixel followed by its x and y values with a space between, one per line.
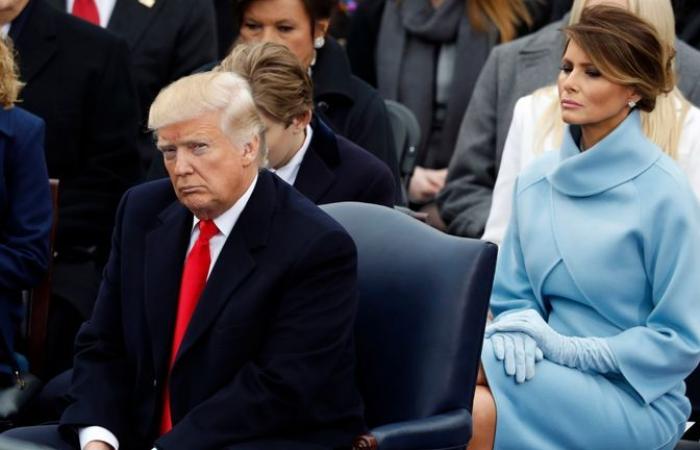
pixel 596 291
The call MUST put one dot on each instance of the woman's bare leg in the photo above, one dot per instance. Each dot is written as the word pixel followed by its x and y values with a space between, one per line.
pixel 483 416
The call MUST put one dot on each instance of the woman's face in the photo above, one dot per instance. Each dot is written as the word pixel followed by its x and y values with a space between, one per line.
pixel 280 21
pixel 586 96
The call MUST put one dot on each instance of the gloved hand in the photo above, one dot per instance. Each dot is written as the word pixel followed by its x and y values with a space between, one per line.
pixel 519 353
pixel 584 353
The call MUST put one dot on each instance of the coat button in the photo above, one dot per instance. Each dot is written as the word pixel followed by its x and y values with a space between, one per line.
pixel 323 106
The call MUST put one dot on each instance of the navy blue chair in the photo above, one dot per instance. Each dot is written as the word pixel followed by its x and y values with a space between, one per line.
pixel 423 305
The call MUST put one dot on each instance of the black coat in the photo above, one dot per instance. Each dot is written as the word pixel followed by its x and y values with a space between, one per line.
pixel 269 351
pixel 336 170
pixel 78 81
pixel 167 41
pixel 352 107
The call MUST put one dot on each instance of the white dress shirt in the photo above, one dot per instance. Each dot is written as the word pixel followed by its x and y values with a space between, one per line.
pixel 289 171
pixel 225 223
pixel 4 29
pixel 104 9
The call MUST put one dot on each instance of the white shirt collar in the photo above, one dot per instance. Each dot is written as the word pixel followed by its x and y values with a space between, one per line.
pixel 104 9
pixel 227 220
pixel 4 29
pixel 289 171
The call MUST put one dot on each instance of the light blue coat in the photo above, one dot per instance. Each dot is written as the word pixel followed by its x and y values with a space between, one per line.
pixel 602 243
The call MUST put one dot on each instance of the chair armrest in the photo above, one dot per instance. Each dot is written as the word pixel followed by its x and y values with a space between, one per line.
pixel 443 431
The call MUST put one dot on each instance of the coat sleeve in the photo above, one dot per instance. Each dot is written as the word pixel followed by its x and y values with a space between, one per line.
pixel 308 340
pixel 512 290
pixel 465 200
pixel 100 357
pixel 26 221
pixel 511 165
pixel 659 353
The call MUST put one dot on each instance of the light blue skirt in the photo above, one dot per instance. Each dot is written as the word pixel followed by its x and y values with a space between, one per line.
pixel 566 409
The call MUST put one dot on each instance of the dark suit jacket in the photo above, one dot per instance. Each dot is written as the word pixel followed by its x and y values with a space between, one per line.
pixel 352 107
pixel 269 351
pixel 167 41
pixel 25 212
pixel 336 170
pixel 78 81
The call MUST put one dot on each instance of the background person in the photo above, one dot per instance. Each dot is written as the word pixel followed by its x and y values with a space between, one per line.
pixel 302 150
pixel 25 210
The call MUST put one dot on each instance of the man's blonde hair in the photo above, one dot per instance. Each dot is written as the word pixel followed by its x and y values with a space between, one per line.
pixel 201 93
pixel 282 88
pixel 9 78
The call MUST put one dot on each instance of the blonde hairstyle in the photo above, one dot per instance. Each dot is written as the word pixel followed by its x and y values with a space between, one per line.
pixel 201 93
pixel 506 15
pixel 664 124
pixel 282 88
pixel 9 79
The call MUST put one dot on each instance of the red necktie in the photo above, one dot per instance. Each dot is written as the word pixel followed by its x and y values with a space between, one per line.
pixel 194 278
pixel 86 10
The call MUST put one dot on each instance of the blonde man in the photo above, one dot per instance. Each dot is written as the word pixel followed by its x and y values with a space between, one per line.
pixel 225 318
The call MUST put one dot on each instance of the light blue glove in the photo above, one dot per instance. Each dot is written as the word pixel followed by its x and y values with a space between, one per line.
pixel 583 353
pixel 519 353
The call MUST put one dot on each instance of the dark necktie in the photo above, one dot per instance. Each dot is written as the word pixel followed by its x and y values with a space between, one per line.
pixel 194 278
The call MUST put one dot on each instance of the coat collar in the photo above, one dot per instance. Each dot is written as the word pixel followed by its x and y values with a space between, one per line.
pixel 619 157
pixel 166 248
pixel 36 42
pixel 316 172
pixel 332 74
pixel 5 127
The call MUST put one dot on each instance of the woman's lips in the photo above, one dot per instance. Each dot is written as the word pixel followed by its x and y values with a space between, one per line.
pixel 570 104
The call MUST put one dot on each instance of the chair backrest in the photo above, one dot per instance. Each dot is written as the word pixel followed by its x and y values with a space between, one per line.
pixel 407 135
pixel 423 304
pixel 40 299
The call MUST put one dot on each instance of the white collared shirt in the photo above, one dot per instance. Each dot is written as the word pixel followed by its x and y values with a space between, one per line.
pixel 4 29
pixel 104 9
pixel 225 223
pixel 289 171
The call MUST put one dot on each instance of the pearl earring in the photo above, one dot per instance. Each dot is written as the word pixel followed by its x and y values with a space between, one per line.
pixel 319 42
pixel 631 104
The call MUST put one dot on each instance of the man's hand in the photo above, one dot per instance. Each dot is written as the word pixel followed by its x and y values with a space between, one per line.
pixel 98 445
pixel 425 184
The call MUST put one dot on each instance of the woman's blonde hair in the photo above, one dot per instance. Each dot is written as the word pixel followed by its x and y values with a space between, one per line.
pixel 9 78
pixel 281 88
pixel 664 124
pixel 506 15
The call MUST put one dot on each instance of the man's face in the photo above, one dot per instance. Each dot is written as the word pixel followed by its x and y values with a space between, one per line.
pixel 209 173
pixel 10 9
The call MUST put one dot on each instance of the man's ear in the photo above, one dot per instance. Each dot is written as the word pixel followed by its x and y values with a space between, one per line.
pixel 301 121
pixel 251 150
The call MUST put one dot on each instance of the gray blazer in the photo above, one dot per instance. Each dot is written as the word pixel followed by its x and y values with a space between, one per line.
pixel 513 70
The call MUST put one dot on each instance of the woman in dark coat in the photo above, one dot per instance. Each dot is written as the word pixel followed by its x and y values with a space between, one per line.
pixel 347 104
pixel 25 210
